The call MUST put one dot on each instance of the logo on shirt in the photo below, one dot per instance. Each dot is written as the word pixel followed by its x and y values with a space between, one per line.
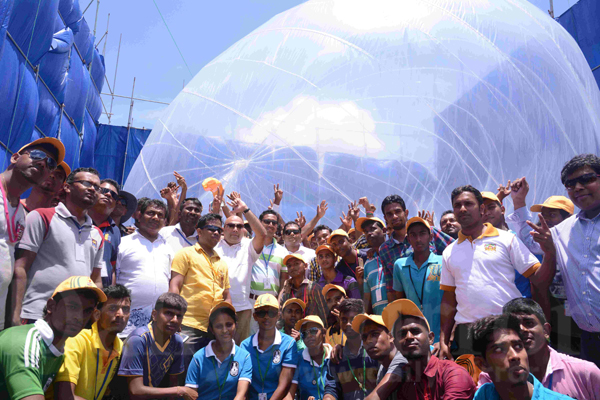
pixel 95 244
pixel 20 230
pixel 435 272
pixel 277 357
pixel 49 382
pixel 490 247
pixel 235 369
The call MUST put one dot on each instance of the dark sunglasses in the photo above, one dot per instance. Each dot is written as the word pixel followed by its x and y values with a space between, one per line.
pixel 310 332
pixel 584 179
pixel 112 193
pixel 213 228
pixel 122 201
pixel 39 155
pixel 272 313
pixel 88 184
pixel 274 223
pixel 290 231
pixel 233 226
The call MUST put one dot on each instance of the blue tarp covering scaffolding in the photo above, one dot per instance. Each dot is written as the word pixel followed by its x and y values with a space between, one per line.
pixel 51 77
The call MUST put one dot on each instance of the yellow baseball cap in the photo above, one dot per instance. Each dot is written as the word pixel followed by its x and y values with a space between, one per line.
pixel 80 282
pixel 65 167
pixel 310 318
pixel 405 307
pixel 360 319
pixel 266 300
pixel 362 220
pixel 557 202
pixel 294 255
pixel 222 304
pixel 351 231
pixel 331 286
pixel 490 196
pixel 417 220
pixel 337 232
pixel 324 247
pixel 294 300
pixel 49 144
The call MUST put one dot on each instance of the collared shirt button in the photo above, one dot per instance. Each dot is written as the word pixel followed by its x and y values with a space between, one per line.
pixel 585 256
pixel 583 292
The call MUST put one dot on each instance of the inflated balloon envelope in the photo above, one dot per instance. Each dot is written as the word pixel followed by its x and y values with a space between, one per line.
pixel 341 99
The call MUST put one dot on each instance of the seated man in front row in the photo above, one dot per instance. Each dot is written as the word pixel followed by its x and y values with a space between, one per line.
pixel 164 346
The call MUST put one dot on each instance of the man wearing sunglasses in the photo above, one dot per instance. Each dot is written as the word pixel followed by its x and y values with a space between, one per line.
pixel 29 166
pixel 292 238
pixel 240 254
pixel 100 213
pixel 201 276
pixel 44 194
pixel 57 243
pixel 575 242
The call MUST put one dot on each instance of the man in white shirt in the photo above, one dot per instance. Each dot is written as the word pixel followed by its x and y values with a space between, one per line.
pixel 292 237
pixel 184 233
pixel 144 263
pixel 240 254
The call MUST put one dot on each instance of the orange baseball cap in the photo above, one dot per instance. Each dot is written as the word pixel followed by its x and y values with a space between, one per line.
pixel 360 319
pixel 331 286
pixel 294 255
pixel 556 202
pixel 294 300
pixel 79 282
pixel 65 167
pixel 417 220
pixel 490 196
pixel 310 318
pixel 51 144
pixel 337 232
pixel 324 247
pixel 395 309
pixel 362 220
pixel 266 300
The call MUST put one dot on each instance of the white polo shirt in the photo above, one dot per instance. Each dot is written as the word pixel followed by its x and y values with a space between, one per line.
pixel 482 272
pixel 177 239
pixel 239 259
pixel 143 267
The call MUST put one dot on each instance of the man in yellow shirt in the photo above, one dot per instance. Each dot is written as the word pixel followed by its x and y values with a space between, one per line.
pixel 200 276
pixel 92 357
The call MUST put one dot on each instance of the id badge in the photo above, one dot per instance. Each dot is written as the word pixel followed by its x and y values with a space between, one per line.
pixel 377 295
pixel 262 396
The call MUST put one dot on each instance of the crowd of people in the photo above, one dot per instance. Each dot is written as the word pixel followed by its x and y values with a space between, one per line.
pixel 234 303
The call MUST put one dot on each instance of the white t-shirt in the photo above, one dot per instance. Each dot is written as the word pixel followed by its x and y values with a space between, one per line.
pixel 482 272
pixel 176 238
pixel 143 267
pixel 239 259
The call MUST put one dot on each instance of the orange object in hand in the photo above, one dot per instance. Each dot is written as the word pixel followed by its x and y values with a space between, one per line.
pixel 213 185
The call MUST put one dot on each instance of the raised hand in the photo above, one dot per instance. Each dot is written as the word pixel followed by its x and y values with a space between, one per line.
pixel 504 191
pixel 363 201
pixel 216 204
pixel 427 216
pixel 237 204
pixel 295 334
pixel 278 194
pixel 353 211
pixel 300 220
pixel 346 222
pixel 170 192
pixel 322 209
pixel 180 180
pixel 271 206
pixel 541 234
pixel 519 190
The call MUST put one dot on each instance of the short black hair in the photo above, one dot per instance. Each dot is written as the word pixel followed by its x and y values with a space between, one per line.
pixel 417 224
pixel 86 293
pixel 115 292
pixel 155 203
pixel 219 311
pixel 194 200
pixel 171 300
pixel 322 228
pixel 522 305
pixel 482 331
pixel 446 213
pixel 402 318
pixel 71 177
pixel 267 212
pixel 580 161
pixel 203 221
pixel 112 182
pixel 291 223
pixel 370 222
pixel 393 198
pixel 349 304
pixel 466 188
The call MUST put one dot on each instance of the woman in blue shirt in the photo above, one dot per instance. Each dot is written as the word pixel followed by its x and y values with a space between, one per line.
pixel 313 363
pixel 221 370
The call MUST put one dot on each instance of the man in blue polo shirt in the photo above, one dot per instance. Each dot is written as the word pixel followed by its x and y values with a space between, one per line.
pixel 417 277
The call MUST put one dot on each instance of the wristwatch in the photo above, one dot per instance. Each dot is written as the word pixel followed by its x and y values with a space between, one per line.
pixel 245 211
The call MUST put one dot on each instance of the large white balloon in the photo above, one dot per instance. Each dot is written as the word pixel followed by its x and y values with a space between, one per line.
pixel 339 99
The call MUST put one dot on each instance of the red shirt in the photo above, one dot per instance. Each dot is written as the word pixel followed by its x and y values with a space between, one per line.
pixel 444 380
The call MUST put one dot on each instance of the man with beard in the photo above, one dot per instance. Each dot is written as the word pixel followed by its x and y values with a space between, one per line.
pixel 449 224
pixel 28 167
pixel 184 234
pixel 43 194
pixel 500 352
pixel 58 243
pixel 100 214
pixel 396 215
pixel 31 355
pixel 478 271
pixel 126 206
pixel 425 377
pixel 376 275
pixel 559 372
pixel 144 263
pixel 92 357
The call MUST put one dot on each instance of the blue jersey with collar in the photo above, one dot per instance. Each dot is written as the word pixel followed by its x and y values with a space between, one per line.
pixel 425 285
pixel 488 392
pixel 218 380
pixel 310 376
pixel 268 363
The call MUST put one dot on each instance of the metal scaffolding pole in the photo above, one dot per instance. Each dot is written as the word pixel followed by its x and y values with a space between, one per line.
pixel 106 36
pixel 128 129
pixel 115 79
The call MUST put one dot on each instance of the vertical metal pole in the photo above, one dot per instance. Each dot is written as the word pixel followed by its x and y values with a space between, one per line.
pixel 128 129
pixel 96 20
pixel 106 36
pixel 551 10
pixel 112 99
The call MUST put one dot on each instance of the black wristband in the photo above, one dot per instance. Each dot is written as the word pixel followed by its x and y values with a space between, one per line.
pixel 245 211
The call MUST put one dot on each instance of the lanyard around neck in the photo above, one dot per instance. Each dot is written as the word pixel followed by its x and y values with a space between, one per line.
pixel 422 286
pixel 217 374
pixel 183 237
pixel 97 394
pixel 362 386
pixel 317 380
pixel 262 378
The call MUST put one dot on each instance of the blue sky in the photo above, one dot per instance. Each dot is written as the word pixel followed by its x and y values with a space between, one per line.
pixel 203 30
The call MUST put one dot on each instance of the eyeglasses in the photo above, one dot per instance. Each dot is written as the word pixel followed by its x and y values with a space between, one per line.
pixel 122 201
pixel 39 155
pixel 271 312
pixel 310 332
pixel 584 179
pixel 88 184
pixel 234 226
pixel 213 228
pixel 112 193
pixel 292 231
pixel 267 222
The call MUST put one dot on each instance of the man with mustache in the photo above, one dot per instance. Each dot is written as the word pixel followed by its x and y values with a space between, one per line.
pixel 449 224
pixel 184 234
pixel 43 194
